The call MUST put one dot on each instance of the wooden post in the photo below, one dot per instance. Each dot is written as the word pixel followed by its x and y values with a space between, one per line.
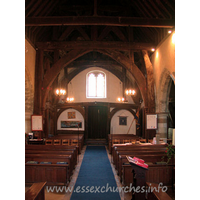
pixel 124 81
pixel 150 82
pixel 38 82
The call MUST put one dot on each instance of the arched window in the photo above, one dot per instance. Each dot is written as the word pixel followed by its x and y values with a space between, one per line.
pixel 96 84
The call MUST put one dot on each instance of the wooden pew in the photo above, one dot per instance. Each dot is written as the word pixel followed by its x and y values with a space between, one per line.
pixel 136 146
pixel 53 158
pixel 133 148
pixel 135 151
pixel 57 149
pixel 36 192
pixel 152 159
pixel 53 154
pixel 53 174
pixel 52 148
pixel 59 152
pixel 149 153
pixel 120 137
pixel 151 156
pixel 156 173
pixel 157 194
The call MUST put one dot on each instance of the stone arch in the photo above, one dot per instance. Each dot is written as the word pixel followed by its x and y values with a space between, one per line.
pixel 163 91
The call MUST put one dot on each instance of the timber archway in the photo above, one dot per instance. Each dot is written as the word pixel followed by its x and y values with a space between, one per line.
pixel 124 61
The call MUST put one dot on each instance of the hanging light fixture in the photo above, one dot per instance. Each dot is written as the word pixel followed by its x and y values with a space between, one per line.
pixel 130 92
pixel 60 92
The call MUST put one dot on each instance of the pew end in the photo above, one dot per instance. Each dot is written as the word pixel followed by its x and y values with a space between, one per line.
pixel 157 193
pixel 36 192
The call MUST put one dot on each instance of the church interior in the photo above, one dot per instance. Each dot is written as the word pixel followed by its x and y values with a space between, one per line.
pixel 100 83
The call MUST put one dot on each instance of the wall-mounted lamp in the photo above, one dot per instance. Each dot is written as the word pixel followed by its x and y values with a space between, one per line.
pixel 121 99
pixel 69 99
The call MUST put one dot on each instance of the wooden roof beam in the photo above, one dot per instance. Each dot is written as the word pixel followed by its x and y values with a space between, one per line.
pixel 102 20
pixel 67 45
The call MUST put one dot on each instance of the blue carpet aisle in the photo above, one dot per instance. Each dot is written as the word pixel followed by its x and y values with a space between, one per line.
pixel 96 179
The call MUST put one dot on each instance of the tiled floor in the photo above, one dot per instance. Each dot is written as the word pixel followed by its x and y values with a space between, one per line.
pixel 66 195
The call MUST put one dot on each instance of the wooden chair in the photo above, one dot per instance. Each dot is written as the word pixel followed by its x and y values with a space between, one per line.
pixel 57 142
pixel 150 140
pixel 126 141
pixel 74 142
pixel 133 141
pixel 48 142
pixel 115 141
pixel 66 142
pixel 142 140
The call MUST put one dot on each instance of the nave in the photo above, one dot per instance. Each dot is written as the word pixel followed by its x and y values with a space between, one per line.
pixel 96 158
pixel 99 70
pixel 67 195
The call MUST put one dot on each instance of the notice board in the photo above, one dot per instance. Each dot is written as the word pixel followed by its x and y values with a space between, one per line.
pixel 151 121
pixel 36 123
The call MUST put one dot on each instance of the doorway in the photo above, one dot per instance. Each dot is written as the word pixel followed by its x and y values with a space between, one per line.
pixel 97 122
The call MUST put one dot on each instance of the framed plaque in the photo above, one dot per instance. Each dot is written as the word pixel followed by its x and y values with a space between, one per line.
pixel 71 115
pixel 123 121
pixel 151 121
pixel 71 124
pixel 36 123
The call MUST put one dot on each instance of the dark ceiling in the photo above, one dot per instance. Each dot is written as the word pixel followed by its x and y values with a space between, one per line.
pixel 119 27
pixel 48 20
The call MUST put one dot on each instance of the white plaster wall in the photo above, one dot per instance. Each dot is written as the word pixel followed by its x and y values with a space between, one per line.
pixel 164 58
pixel 163 61
pixel 77 87
pixel 64 117
pixel 115 128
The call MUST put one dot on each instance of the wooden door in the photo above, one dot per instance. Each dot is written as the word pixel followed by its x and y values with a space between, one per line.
pixel 97 122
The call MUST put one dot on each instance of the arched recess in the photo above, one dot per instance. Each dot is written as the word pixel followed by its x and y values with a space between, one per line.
pixel 129 128
pixel 63 115
pixel 163 91
pixel 74 54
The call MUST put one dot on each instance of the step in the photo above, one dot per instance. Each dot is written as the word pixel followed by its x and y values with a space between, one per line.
pixel 96 142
